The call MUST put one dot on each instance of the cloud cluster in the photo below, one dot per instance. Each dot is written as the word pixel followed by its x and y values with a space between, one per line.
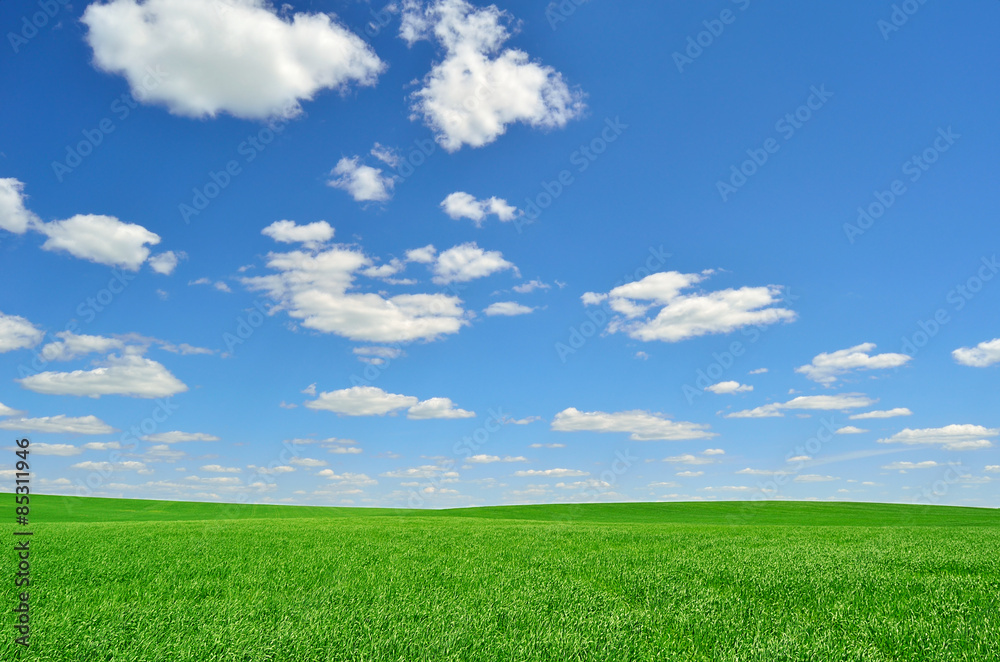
pixel 680 315
pixel 477 90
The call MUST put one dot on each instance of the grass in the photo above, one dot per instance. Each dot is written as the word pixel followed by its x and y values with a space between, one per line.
pixel 145 580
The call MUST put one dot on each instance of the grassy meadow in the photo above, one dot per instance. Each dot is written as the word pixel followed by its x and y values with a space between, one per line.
pixel 138 580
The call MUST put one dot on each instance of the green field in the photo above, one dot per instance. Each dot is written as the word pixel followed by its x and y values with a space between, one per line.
pixel 153 580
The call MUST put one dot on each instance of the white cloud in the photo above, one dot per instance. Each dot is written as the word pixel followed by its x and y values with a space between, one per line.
pixel 681 316
pixel 982 355
pixel 219 469
pixel 531 286
pixel 463 205
pixel 315 288
pixel 758 472
pixel 61 450
pixel 14 216
pixel 887 413
pixel 425 255
pixel 758 371
pixel 729 387
pixel 363 182
pixel 690 474
pixel 825 368
pixel 507 309
pixel 102 446
pixel 310 235
pixel 849 429
pixel 547 446
pixel 101 239
pixel 643 425
pixel 906 466
pixel 950 437
pixel 165 263
pixel 176 436
pixel 713 451
pixel 231 56
pixel 551 473
pixel 18 333
pixel 361 401
pixel 491 459
pixel 71 345
pixel 307 462
pixel 8 411
pixel 126 375
pixel 992 468
pixel 437 408
pixel 58 424
pixel 815 478
pixel 468 262
pixel 814 402
pixel 108 466
pixel 471 96
pixel 348 478
pixel 687 459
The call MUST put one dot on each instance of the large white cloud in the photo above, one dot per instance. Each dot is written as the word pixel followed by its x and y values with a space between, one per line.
pixel 471 96
pixel 681 316
pixel 362 401
pixel 814 402
pixel 468 262
pixel 130 375
pixel 826 367
pixel 950 437
pixel 643 425
pixel 463 205
pixel 17 332
pixel 14 216
pixel 982 355
pixel 201 58
pixel 363 182
pixel 100 239
pixel 58 424
pixel 314 287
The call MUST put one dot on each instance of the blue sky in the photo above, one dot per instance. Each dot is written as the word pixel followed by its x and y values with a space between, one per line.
pixel 436 254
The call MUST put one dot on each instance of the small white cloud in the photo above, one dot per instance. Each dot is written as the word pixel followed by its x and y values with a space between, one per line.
pixel 687 459
pixel 425 255
pixel 807 402
pixel 467 262
pixel 71 345
pixel 907 466
pixel 887 413
pixel 849 429
pixel 507 309
pixel 551 473
pixel 690 474
pixel 311 235
pixel 950 437
pixel 165 263
pixel 758 371
pixel 58 424
pixel 219 469
pixel 815 478
pixel 982 355
pixel 61 450
pixel 463 205
pixel 14 215
pixel 492 459
pixel 363 182
pixel 531 286
pixel 992 468
pixel 176 436
pixel 729 387
pixel 547 446
pixel 437 408
pixel 361 401
pixel 713 451
pixel 825 368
